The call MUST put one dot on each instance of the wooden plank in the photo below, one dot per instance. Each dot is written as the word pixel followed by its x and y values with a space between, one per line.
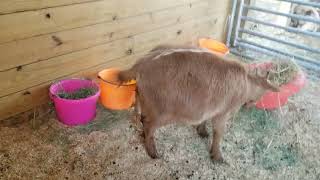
pixel 11 6
pixel 30 75
pixel 31 23
pixel 38 73
pixel 34 96
pixel 224 9
pixel 18 53
pixel 204 27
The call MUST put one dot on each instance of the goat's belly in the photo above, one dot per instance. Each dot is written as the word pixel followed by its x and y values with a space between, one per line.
pixel 195 119
pixel 195 122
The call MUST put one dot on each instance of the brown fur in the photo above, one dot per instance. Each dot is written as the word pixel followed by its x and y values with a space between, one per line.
pixel 191 87
pixel 130 74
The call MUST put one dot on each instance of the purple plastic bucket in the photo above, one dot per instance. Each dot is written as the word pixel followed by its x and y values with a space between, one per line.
pixel 74 112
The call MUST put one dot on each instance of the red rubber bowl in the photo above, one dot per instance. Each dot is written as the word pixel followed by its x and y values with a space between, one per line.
pixel 273 100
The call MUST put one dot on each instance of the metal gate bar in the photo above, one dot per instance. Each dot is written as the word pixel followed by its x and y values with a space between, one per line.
pixel 317 5
pixel 238 22
pixel 289 29
pixel 230 23
pixel 306 64
pixel 238 42
pixel 311 49
pixel 298 57
pixel 299 17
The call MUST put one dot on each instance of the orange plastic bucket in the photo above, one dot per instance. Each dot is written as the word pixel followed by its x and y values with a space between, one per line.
pixel 214 45
pixel 113 96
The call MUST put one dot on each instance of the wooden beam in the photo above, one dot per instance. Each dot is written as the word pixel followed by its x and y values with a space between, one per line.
pixel 38 94
pixel 11 6
pixel 26 51
pixel 15 80
pixel 30 75
pixel 32 23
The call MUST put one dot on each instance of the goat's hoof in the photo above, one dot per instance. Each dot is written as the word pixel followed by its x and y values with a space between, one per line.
pixel 152 152
pixel 153 155
pixel 219 160
pixel 203 134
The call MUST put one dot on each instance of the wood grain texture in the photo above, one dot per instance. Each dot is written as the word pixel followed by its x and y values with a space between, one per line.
pixel 11 6
pixel 15 80
pixel 57 39
pixel 31 23
pixel 34 96
pixel 33 74
pixel 22 52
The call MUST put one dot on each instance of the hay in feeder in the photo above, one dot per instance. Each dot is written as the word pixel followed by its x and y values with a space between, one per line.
pixel 78 94
pixel 282 72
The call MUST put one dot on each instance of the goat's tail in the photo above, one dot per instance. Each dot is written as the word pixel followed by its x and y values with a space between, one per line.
pixel 127 75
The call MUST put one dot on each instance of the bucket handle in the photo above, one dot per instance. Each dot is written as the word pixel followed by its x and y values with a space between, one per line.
pixel 118 85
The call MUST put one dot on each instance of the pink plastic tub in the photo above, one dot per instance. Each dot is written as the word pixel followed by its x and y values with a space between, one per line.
pixel 274 100
pixel 74 112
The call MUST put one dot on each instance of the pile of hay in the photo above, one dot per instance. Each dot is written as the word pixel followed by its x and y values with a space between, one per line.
pixel 78 94
pixel 282 72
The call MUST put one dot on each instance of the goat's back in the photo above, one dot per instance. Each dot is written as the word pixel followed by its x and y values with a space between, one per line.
pixel 188 85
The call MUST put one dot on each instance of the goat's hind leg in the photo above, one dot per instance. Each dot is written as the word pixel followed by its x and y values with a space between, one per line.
pixel 149 128
pixel 137 116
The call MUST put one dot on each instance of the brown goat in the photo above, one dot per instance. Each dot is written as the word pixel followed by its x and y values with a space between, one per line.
pixel 180 84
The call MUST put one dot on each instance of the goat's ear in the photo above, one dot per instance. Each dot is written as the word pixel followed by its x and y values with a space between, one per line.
pixel 263 72
pixel 258 72
pixel 267 85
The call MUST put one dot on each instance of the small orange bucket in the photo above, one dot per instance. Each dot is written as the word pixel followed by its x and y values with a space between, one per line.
pixel 214 45
pixel 114 96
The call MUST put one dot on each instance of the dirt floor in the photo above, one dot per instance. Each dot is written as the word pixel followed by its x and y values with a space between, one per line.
pixel 281 144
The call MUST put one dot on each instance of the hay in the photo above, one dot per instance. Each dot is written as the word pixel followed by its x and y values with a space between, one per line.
pixel 262 131
pixel 259 145
pixel 78 94
pixel 282 72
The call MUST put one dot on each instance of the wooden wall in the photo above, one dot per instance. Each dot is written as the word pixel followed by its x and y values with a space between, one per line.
pixel 42 41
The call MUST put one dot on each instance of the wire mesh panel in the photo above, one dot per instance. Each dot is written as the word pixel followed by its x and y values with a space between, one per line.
pixel 289 28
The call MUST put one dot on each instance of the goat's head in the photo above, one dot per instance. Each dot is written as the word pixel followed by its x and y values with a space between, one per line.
pixel 258 85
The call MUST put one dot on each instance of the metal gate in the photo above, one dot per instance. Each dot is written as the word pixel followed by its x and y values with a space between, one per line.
pixel 272 37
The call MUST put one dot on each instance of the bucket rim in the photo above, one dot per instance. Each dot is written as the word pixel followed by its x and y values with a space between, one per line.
pixel 53 95
pixel 225 49
pixel 286 90
pixel 113 83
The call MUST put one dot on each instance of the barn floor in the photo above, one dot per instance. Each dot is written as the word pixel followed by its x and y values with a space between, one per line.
pixel 282 144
